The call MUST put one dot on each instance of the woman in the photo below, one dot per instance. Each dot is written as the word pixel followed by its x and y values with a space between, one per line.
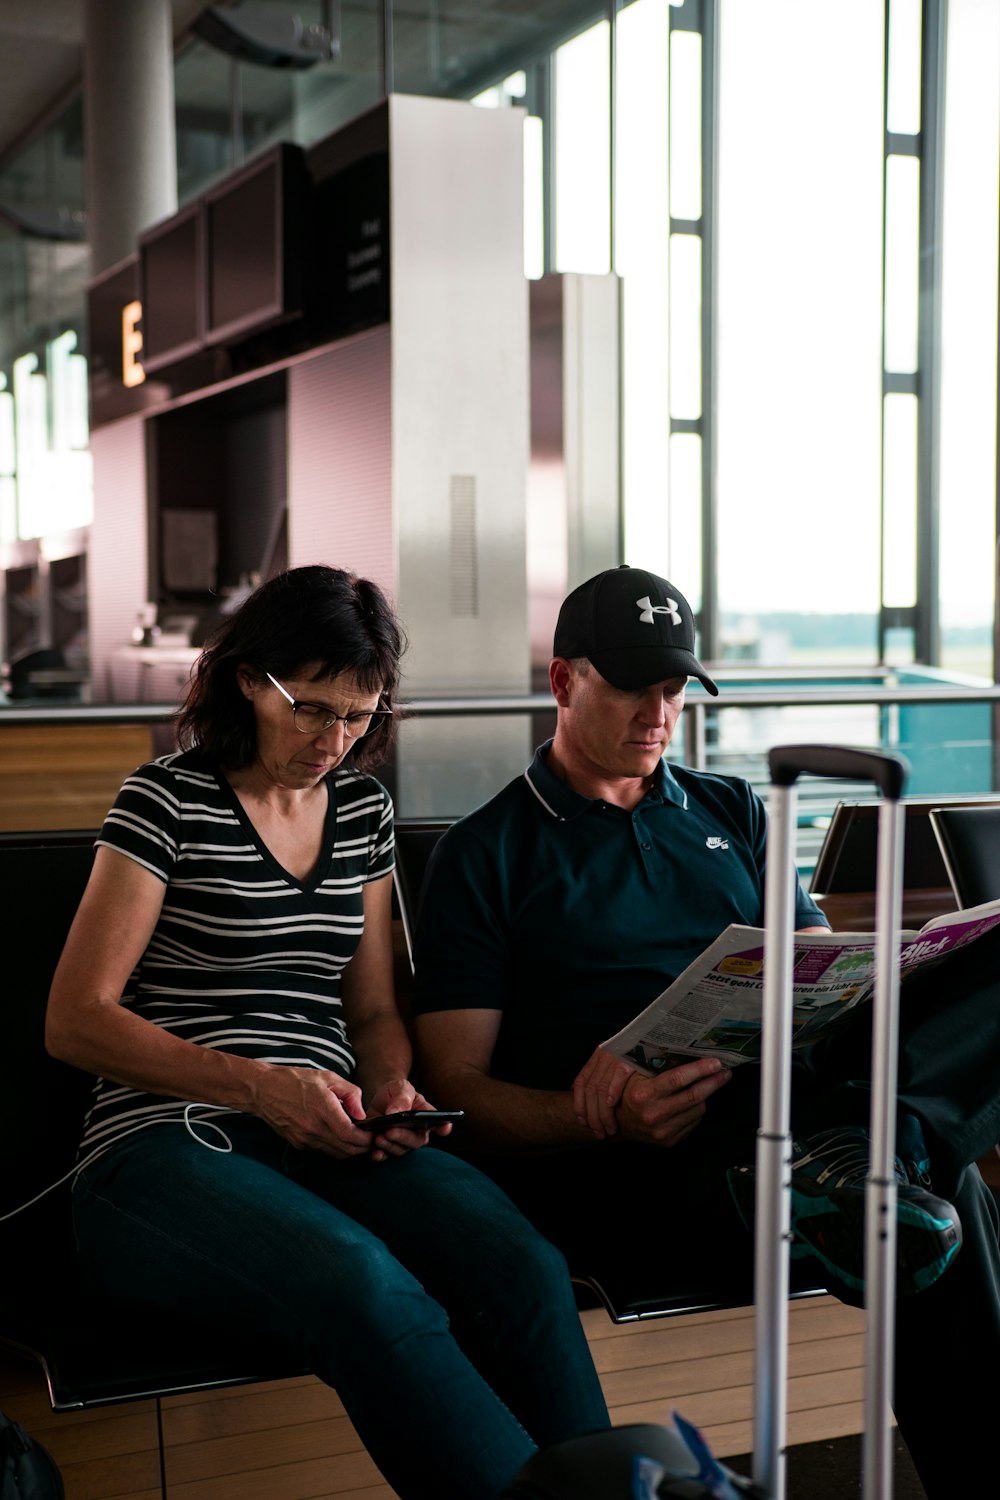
pixel 229 979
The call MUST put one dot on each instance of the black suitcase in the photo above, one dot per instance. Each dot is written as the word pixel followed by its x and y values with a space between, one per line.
pixel 647 1462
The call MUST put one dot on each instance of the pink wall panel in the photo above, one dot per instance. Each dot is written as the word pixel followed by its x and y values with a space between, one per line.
pixel 117 565
pixel 340 459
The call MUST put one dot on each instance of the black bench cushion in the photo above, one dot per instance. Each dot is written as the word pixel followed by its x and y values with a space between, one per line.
pixel 93 1350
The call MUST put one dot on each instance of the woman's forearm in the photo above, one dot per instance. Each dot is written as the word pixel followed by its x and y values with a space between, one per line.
pixel 113 1043
pixel 382 1050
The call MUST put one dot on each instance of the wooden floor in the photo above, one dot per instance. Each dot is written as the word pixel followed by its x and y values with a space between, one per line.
pixel 291 1440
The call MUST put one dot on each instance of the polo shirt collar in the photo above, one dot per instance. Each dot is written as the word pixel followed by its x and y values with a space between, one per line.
pixel 563 803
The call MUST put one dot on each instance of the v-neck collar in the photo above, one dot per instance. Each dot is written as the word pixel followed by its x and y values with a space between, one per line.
pixel 322 866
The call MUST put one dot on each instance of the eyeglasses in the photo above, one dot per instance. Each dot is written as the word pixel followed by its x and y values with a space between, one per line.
pixel 313 718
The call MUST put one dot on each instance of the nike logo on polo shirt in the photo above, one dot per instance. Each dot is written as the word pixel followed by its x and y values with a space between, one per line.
pixel 716 843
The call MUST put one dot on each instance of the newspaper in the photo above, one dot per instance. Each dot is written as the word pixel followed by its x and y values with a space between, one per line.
pixel 714 1008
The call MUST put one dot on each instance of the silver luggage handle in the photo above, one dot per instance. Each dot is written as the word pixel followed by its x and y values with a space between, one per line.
pixel 886 768
pixel 889 772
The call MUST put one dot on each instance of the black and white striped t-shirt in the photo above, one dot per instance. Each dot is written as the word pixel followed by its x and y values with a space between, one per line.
pixel 244 956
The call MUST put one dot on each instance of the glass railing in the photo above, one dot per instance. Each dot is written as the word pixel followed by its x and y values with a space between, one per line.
pixel 947 734
pixel 453 752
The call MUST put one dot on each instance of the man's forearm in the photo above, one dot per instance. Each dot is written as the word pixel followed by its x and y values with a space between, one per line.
pixel 507 1119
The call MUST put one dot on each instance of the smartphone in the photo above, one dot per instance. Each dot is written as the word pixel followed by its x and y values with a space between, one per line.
pixel 419 1119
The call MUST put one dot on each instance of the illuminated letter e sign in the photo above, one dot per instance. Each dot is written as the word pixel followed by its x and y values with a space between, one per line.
pixel 132 371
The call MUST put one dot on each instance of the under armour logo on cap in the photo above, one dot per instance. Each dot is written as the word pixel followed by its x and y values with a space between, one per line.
pixel 647 610
pixel 633 626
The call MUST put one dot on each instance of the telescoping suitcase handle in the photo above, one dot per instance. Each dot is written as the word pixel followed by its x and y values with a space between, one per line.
pixel 889 772
pixel 885 768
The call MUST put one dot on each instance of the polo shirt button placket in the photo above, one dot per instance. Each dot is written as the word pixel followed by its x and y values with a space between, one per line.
pixel 644 844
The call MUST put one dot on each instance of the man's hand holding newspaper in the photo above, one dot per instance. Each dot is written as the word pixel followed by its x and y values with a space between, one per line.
pixel 713 1010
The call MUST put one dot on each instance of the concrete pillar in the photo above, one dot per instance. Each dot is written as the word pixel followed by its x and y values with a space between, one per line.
pixel 128 96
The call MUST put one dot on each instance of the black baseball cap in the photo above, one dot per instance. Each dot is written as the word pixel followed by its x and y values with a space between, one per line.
pixel 633 626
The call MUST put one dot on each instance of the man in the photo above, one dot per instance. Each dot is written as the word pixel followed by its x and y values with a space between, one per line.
pixel 563 906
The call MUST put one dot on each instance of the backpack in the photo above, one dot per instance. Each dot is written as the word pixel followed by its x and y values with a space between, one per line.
pixel 27 1470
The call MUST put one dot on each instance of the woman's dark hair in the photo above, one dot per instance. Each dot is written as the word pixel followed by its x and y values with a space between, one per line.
pixel 298 619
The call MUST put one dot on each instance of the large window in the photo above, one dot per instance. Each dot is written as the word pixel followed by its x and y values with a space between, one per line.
pixel 836 496
pixel 968 336
pixel 660 521
pixel 581 153
pixel 45 478
pixel 799 347
pixel 770 440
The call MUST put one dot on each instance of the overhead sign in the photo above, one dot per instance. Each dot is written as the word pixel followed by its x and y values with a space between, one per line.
pixel 287 254
pixel 132 370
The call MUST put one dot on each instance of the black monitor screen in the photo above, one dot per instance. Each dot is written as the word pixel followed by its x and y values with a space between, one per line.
pixel 252 234
pixel 847 860
pixel 170 276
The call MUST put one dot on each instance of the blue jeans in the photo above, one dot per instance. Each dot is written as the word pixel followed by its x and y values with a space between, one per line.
pixel 445 1322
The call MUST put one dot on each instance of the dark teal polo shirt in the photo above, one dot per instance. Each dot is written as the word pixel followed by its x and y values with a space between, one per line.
pixel 570 915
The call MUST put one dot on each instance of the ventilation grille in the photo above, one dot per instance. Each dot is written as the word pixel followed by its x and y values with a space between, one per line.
pixel 463 555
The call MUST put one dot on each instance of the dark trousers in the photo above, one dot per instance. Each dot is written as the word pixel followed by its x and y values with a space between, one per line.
pixel 665 1221
pixel 445 1322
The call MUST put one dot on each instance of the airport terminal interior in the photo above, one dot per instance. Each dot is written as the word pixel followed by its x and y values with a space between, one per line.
pixel 477 298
